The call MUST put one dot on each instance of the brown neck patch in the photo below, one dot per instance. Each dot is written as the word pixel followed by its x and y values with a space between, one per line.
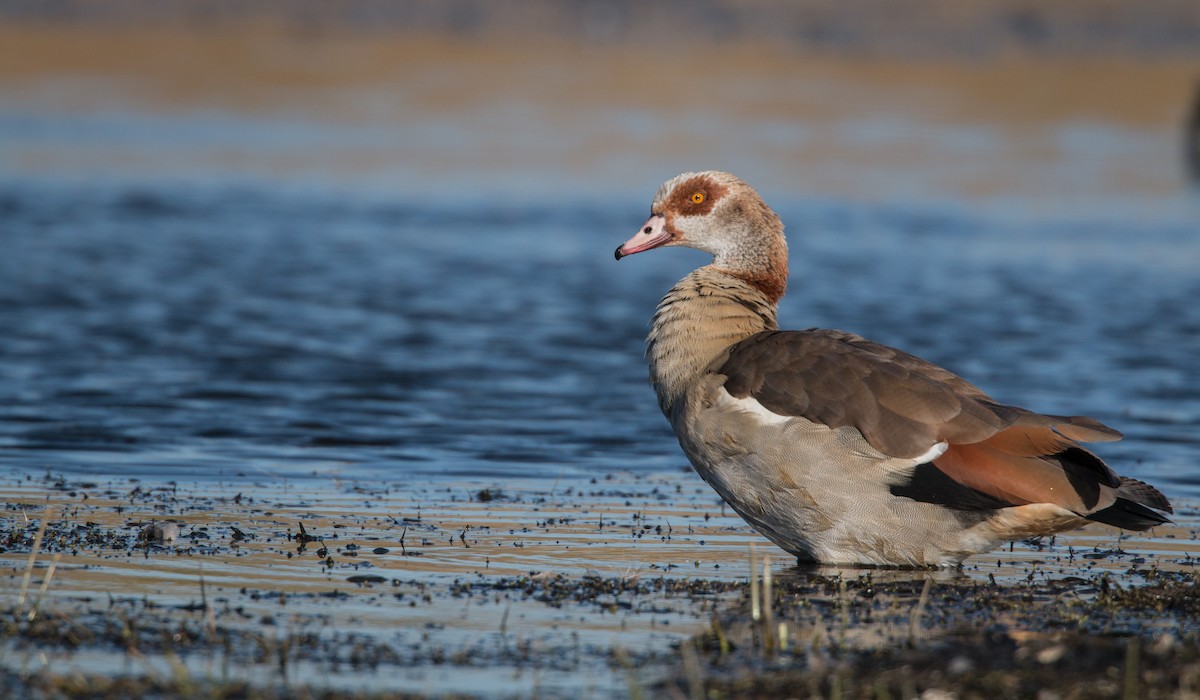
pixel 769 282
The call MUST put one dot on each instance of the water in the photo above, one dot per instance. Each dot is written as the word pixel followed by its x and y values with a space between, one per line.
pixel 166 333
pixel 358 257
pixel 176 332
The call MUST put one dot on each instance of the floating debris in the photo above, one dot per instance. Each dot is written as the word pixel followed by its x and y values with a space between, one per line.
pixel 159 532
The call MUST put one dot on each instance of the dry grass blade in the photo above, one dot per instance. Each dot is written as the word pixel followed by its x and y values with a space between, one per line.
pixel 210 618
pixel 45 584
pixel 719 632
pixel 914 621
pixel 1132 656
pixel 33 552
pixel 755 610
pixel 768 613
pixel 635 688
pixel 693 671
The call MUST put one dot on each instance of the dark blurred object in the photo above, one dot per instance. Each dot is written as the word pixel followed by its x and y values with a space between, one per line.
pixel 158 533
pixel 1191 137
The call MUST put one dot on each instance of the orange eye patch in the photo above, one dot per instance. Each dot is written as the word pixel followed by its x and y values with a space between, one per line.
pixel 697 197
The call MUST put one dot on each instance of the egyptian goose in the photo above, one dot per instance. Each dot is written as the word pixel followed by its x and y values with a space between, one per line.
pixel 839 449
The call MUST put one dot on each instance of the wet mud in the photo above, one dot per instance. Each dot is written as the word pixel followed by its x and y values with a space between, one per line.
pixel 633 586
pixel 1113 634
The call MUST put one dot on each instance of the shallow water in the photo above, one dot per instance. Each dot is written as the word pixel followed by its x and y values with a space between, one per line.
pixel 181 334
pixel 348 255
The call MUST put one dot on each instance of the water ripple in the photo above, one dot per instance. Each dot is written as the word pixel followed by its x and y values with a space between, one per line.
pixel 184 334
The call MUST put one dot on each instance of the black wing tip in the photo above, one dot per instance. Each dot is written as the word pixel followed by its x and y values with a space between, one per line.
pixel 1144 493
pixel 1129 515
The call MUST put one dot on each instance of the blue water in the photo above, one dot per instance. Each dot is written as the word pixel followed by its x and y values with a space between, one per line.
pixel 190 332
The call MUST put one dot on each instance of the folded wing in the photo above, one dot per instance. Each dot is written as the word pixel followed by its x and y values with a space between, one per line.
pixel 996 455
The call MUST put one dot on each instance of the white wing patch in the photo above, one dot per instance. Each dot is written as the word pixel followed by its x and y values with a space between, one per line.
pixel 932 453
pixel 753 407
pixel 766 416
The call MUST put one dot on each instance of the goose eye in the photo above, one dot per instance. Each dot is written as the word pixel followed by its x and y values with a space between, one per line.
pixel 697 197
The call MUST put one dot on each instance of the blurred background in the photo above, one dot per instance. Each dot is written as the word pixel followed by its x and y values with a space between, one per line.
pixel 373 239
pixel 1073 102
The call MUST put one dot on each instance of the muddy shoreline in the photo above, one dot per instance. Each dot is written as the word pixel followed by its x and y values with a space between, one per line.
pixel 1075 637
pixel 1128 635
pixel 205 591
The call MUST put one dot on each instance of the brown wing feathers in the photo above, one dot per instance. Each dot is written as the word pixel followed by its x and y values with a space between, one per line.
pixel 903 405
